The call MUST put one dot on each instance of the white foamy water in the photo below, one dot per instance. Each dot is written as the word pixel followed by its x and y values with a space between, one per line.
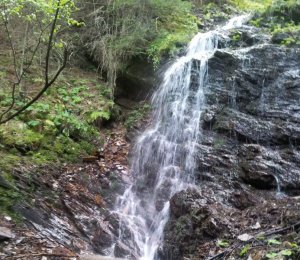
pixel 164 155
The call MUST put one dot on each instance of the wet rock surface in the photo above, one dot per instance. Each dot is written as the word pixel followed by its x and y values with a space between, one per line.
pixel 66 211
pixel 248 161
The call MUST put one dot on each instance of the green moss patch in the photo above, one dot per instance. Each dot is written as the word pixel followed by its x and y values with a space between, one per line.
pixel 281 18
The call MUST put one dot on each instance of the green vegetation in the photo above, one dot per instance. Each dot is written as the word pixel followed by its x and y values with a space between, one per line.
pixel 273 248
pixel 244 250
pixel 280 17
pixel 42 20
pixel 274 242
pixel 223 243
pixel 122 30
pixel 236 36
pixel 213 11
pixel 251 5
pixel 61 125
pixel 136 115
pixel 174 31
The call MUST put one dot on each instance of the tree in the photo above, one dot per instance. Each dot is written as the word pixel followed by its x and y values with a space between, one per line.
pixel 42 17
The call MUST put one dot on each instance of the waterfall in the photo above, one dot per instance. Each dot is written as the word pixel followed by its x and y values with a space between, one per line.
pixel 164 155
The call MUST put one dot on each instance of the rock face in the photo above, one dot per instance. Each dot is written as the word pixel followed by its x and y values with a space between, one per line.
pixel 258 95
pixel 250 146
pixel 137 81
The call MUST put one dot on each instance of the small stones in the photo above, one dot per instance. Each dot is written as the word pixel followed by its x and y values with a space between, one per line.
pixel 6 233
pixel 244 237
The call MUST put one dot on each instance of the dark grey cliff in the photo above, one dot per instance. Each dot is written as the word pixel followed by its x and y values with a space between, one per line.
pixel 250 151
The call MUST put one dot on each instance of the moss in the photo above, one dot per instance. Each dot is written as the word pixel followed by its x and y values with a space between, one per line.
pixel 177 31
pixel 288 35
pixel 281 18
pixel 60 126
pixel 8 161
pixel 252 5
pixel 236 37
pixel 8 199
pixel 16 134
pixel 9 195
pixel 136 115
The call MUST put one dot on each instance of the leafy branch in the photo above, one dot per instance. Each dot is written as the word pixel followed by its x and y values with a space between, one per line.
pixel 19 77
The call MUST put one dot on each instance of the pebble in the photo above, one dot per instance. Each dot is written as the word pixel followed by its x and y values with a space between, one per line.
pixel 8 218
pixel 6 233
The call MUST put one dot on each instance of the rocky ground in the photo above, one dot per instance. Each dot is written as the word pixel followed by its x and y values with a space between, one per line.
pixel 65 210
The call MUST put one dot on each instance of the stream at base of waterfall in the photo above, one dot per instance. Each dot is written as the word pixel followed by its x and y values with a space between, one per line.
pixel 163 160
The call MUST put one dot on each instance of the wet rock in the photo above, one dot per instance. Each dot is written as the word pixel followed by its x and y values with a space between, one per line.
pixel 137 81
pixel 242 200
pixel 265 168
pixel 101 240
pixel 258 179
pixel 4 183
pixel 278 38
pixel 247 36
pixel 185 201
pixel 254 171
pixel 223 59
pixel 121 250
pixel 252 129
pixel 194 219
pixel 208 116
pixel 250 144
pixel 34 215
pixel 6 233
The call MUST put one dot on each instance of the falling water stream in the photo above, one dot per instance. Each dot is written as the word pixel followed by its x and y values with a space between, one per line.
pixel 164 155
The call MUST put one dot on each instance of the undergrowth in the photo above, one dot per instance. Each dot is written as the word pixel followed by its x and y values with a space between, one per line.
pixel 280 17
pixel 136 115
pixel 62 126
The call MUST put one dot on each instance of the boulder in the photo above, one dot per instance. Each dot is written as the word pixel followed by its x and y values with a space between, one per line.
pixel 6 233
pixel 195 218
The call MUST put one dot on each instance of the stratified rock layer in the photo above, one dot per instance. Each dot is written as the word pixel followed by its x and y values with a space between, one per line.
pixel 249 152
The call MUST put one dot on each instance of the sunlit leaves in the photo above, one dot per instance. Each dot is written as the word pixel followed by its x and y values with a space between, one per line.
pixel 38 10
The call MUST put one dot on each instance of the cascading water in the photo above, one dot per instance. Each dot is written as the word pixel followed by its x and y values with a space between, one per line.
pixel 163 161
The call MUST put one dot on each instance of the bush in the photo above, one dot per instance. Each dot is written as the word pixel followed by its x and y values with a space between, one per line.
pixel 121 30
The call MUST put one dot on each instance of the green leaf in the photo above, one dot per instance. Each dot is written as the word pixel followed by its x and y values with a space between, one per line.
pixel 77 99
pixel 294 245
pixel 244 250
pixel 33 123
pixel 98 114
pixel 273 242
pixel 271 255
pixel 286 252
pixel 49 122
pixel 223 243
